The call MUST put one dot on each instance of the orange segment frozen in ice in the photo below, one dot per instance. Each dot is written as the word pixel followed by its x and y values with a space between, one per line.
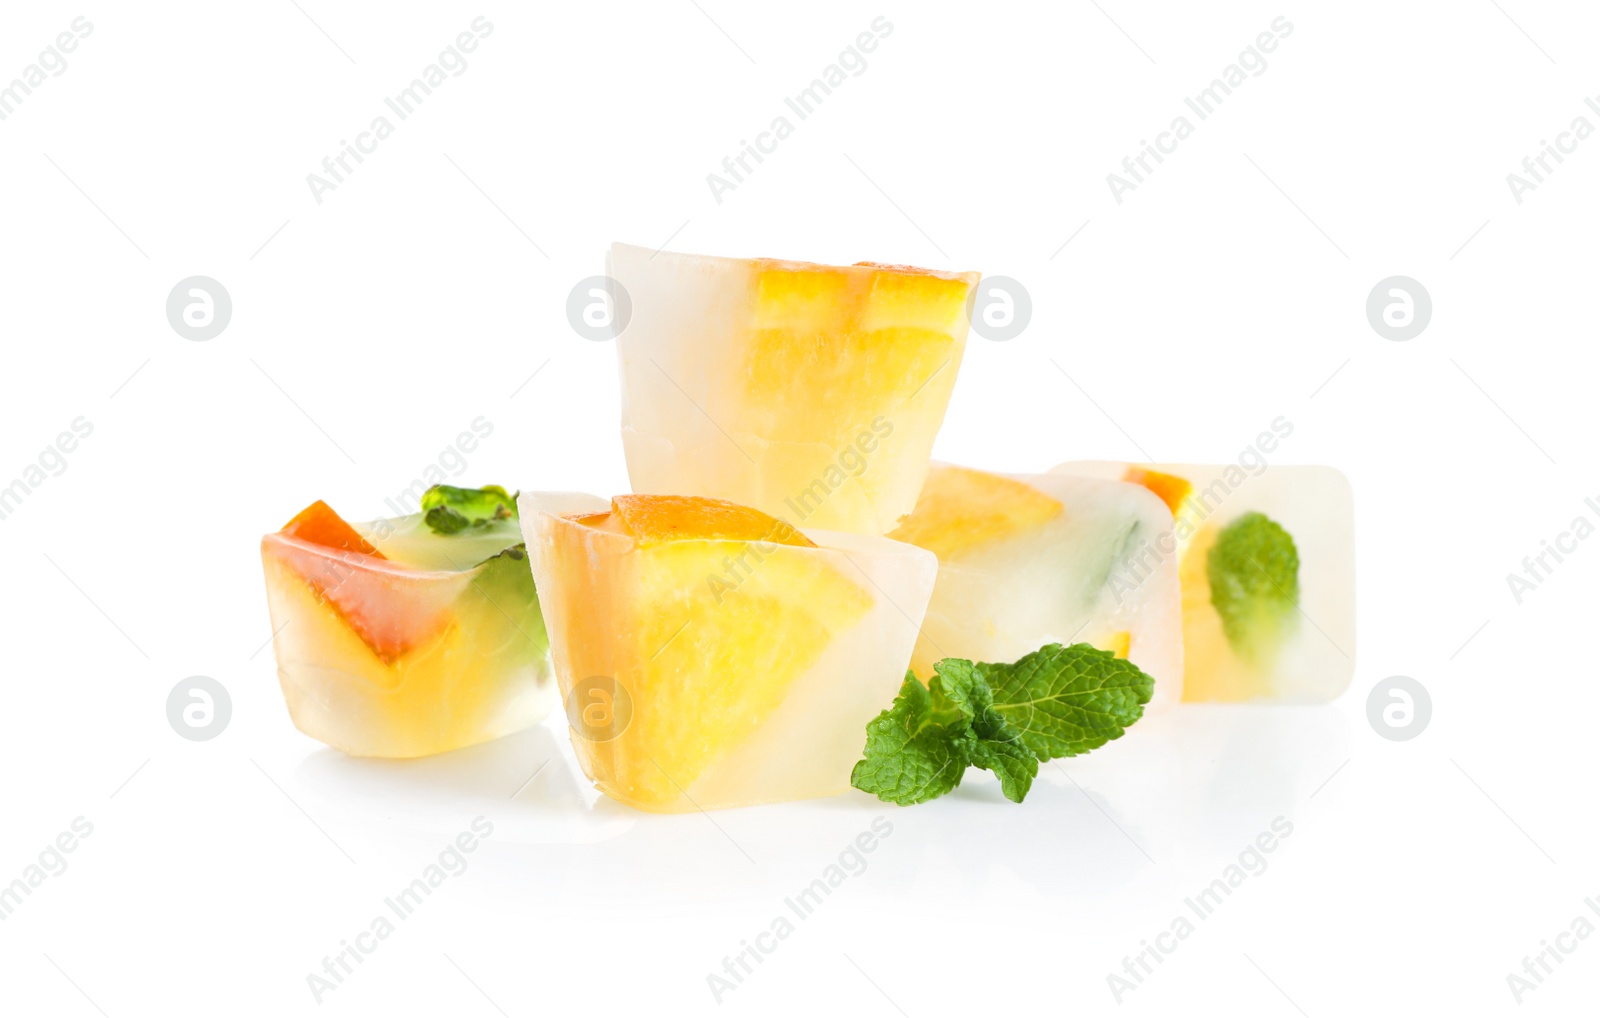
pixel 705 651
pixel 902 296
pixel 810 392
pixel 396 652
pixel 961 509
pixel 722 659
pixel 1172 488
pixel 834 349
pixel 1026 560
pixel 731 647
pixel 1118 643
pixel 371 596
pixel 792 296
pixel 319 524
pixel 356 582
pixel 1210 672
pixel 657 518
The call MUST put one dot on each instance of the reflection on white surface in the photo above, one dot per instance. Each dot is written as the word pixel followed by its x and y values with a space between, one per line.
pixel 1191 787
pixel 528 784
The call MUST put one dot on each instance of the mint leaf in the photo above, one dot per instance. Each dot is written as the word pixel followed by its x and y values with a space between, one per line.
pixel 959 684
pixel 1064 701
pixel 503 603
pixel 995 745
pixel 1112 551
pixel 917 749
pixel 1057 701
pixel 515 553
pixel 1012 762
pixel 1254 572
pixel 450 510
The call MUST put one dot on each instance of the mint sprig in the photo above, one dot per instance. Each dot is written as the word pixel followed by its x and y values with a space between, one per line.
pixel 1254 573
pixel 1005 718
pixel 1066 701
pixel 450 510
pixel 916 750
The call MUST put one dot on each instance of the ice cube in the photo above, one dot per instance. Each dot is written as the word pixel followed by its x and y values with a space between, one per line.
pixel 710 655
pixel 1026 560
pixel 1267 566
pixel 395 641
pixel 810 392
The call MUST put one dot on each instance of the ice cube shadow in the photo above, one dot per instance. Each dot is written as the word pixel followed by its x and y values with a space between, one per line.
pixel 528 770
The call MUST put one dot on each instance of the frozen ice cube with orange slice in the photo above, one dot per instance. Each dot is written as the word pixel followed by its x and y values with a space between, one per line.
pixel 1027 560
pixel 712 655
pixel 1267 566
pixel 809 392
pixel 398 638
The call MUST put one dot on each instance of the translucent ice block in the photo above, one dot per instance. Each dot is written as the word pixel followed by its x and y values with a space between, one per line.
pixel 1267 563
pixel 810 392
pixel 710 655
pixel 1026 560
pixel 397 641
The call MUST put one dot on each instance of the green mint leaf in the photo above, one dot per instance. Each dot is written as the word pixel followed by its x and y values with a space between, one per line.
pixel 1254 572
pixel 1112 552
pixel 502 600
pixel 917 749
pixel 1011 761
pixel 450 510
pixel 994 746
pixel 1057 701
pixel 1064 701
pixel 958 683
pixel 442 519
pixel 515 553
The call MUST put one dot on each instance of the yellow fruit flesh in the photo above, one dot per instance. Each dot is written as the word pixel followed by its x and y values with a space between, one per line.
pixel 714 666
pixel 342 692
pixel 655 519
pixel 1211 671
pixel 1171 489
pixel 1117 643
pixel 833 350
pixel 962 509
pixel 706 637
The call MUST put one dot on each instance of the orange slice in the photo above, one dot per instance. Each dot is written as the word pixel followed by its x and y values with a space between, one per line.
pixel 319 524
pixel 1171 488
pixel 369 593
pixel 962 509
pixel 835 348
pixel 707 619
pixel 656 519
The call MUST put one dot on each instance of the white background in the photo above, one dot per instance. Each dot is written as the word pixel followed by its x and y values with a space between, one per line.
pixel 370 329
